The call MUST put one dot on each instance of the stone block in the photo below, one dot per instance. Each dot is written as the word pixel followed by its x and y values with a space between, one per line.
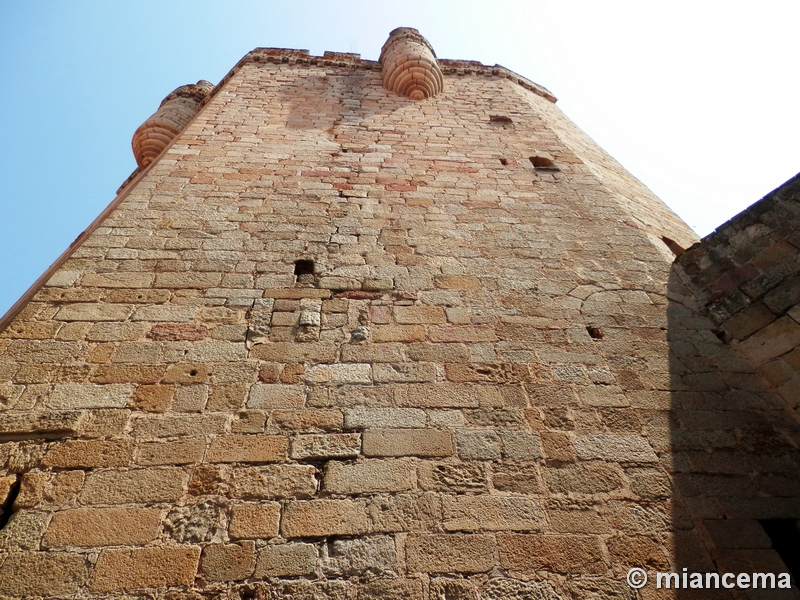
pixel 492 513
pixel 450 553
pixel 290 352
pixel 452 477
pixel 138 486
pixel 326 445
pixel 478 444
pixel 397 333
pixel 398 513
pixel 94 312
pixel 520 445
pixel 228 562
pixel 227 397
pixel 180 452
pixel 89 527
pixel 272 395
pixel 338 374
pixel 371 556
pixel 369 476
pixel 583 478
pixel 394 589
pixel 407 442
pixel 404 372
pixel 616 448
pixel 775 339
pixel 153 398
pixel 248 448
pixel 45 424
pixel 394 418
pixel 737 533
pixel 123 570
pixel 307 419
pixel 254 520
pixel 419 315
pixel 636 550
pixel 36 574
pixel 274 481
pixel 89 454
pixel 323 518
pixel 286 560
pixel 448 395
pixel 190 398
pixel 70 396
pixel 170 313
pixel 567 554
pixel 176 425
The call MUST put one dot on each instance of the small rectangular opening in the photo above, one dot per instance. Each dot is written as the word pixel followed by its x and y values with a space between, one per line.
pixel 304 267
pixel 785 537
pixel 542 162
pixel 504 161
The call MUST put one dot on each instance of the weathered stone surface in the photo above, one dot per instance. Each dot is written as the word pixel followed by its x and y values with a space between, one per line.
pixel 286 560
pixel 405 512
pixel 450 553
pixel 228 562
pixel 559 553
pixel 276 396
pixel 248 448
pixel 88 454
pixel 180 452
pixel 478 444
pixel 322 518
pixel 617 448
pixel 32 574
pixel 329 445
pixel 390 418
pixel 90 527
pixel 369 476
pixel 582 478
pixel 492 513
pixel 123 570
pixel 138 486
pixel 70 396
pixel 360 557
pixel 275 481
pixel 193 524
pixel 407 442
pixel 254 520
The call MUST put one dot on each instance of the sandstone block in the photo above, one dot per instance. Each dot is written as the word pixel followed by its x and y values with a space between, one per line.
pixel 395 418
pixel 187 373
pixel 462 333
pixel 161 426
pixel 398 589
pixel 33 574
pixel 407 442
pixel 122 570
pixel 492 513
pixel 89 454
pixel 520 445
pixel 478 444
pixel 413 372
pixel 617 448
pixel 339 374
pixel 254 520
pixel 286 560
pixel 228 562
pixel 452 477
pixel 637 550
pixel 419 315
pixel 170 313
pixel 190 398
pixel 90 527
pixel 458 282
pixel 274 481
pixel 152 398
pixel 323 518
pixel 775 339
pixel 181 452
pixel 46 424
pixel 94 312
pixel 307 419
pixel 248 448
pixel 332 445
pixel 405 512
pixel 446 395
pixel 70 396
pixel 139 486
pixel 188 280
pixel 450 553
pixel 369 476
pixel 583 478
pixel 24 530
pixel 230 396
pixel 359 557
pixel 290 352
pixel 517 478
pixel 566 554
pixel 397 333
pixel 273 395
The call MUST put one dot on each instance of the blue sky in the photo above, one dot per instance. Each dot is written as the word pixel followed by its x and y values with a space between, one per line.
pixel 698 100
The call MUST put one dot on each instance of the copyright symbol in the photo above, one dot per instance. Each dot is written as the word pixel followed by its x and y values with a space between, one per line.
pixel 637 578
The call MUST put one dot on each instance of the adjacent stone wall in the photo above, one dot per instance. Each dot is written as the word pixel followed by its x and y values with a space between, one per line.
pixel 747 277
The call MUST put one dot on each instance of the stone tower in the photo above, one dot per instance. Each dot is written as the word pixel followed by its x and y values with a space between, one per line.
pixel 397 329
